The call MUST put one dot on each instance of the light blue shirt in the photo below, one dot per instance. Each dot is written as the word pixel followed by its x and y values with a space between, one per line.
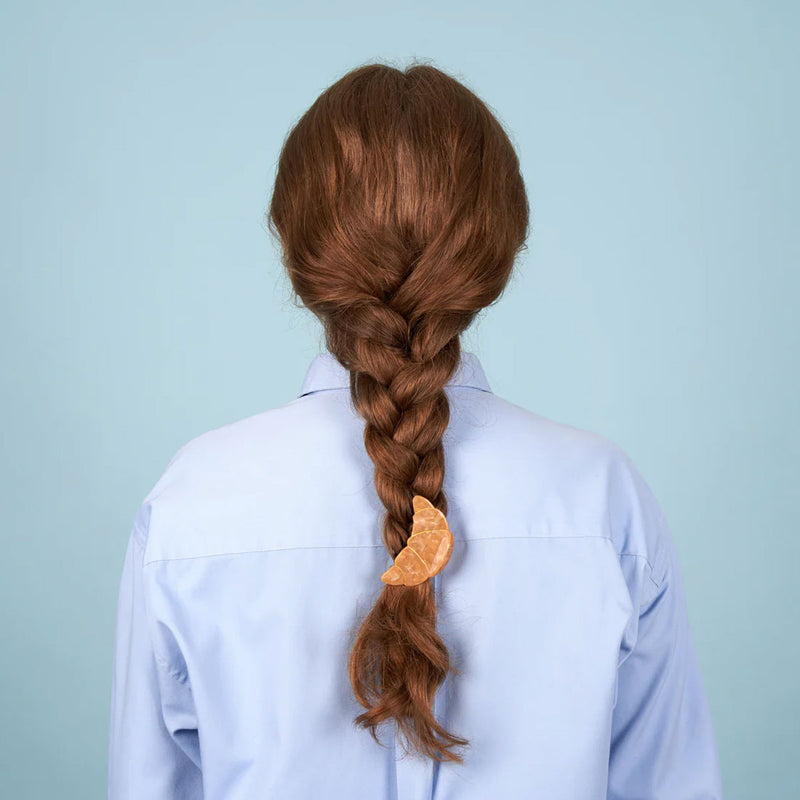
pixel 258 551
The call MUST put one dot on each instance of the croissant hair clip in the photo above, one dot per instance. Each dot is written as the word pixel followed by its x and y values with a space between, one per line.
pixel 427 550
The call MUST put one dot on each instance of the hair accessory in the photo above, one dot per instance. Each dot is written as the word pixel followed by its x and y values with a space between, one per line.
pixel 427 550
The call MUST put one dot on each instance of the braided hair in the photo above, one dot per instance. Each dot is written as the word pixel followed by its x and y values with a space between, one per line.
pixel 400 210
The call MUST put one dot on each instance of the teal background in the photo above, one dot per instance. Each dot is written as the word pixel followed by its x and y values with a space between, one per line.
pixel 143 303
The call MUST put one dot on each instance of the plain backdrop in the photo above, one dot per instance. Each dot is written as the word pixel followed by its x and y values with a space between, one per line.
pixel 143 302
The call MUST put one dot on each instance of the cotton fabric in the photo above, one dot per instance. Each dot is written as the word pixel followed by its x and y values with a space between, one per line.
pixel 257 552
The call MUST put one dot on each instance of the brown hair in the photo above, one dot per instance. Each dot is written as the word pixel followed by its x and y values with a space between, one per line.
pixel 400 210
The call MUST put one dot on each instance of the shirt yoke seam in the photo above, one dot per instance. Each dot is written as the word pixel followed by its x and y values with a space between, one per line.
pixel 380 546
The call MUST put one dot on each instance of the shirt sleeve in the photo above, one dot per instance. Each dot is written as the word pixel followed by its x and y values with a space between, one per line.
pixel 662 741
pixel 153 749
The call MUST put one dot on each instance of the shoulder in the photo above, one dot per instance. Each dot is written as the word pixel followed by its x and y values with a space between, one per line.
pixel 213 492
pixel 534 450
pixel 574 479
pixel 550 435
pixel 207 458
pixel 573 446
pixel 251 449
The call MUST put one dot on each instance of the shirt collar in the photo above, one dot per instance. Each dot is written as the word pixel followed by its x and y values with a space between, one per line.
pixel 325 372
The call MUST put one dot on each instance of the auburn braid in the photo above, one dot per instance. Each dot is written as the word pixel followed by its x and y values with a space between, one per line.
pixel 397 380
pixel 400 210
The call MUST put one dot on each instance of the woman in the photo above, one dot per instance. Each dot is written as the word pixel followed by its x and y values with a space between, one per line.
pixel 531 640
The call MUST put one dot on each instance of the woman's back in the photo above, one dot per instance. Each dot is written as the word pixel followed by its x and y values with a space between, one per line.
pixel 256 555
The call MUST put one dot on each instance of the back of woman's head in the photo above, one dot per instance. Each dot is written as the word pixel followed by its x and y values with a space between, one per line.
pixel 400 210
